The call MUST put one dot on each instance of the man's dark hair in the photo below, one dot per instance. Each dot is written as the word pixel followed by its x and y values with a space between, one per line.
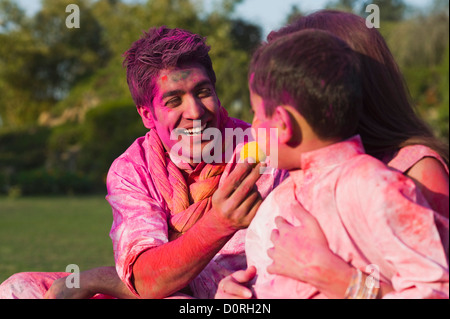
pixel 158 49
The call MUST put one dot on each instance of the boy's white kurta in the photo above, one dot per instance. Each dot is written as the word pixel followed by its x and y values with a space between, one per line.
pixel 370 215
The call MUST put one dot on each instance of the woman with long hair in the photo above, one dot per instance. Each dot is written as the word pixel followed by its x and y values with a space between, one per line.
pixel 389 127
pixel 390 130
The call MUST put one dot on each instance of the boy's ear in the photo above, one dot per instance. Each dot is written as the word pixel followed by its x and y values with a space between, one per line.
pixel 285 125
pixel 147 116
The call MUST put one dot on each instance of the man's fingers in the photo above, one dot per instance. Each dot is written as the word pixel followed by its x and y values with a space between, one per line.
pixel 247 186
pixel 250 206
pixel 250 201
pixel 235 179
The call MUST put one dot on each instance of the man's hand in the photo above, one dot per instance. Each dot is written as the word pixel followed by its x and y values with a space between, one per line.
pixel 104 280
pixel 161 271
pixel 235 203
pixel 234 285
pixel 59 290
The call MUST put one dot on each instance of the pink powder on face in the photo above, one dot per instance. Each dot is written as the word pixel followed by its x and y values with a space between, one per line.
pixel 322 83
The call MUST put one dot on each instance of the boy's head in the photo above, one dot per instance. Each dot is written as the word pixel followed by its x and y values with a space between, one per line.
pixel 306 84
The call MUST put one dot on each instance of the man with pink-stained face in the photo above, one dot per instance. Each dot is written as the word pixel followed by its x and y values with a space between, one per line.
pixel 178 222
pixel 184 96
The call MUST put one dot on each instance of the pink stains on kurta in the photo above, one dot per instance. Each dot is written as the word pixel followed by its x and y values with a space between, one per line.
pixel 369 216
pixel 141 217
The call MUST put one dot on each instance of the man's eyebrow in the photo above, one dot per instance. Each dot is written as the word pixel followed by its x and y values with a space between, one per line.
pixel 181 92
pixel 172 93
pixel 203 83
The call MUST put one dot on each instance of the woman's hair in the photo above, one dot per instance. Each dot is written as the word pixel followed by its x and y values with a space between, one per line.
pixel 388 121
pixel 158 49
pixel 318 74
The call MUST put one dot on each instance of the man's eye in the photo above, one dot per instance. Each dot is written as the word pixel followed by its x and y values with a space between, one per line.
pixel 173 102
pixel 204 93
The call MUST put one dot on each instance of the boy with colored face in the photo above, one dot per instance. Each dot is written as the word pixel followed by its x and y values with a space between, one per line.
pixel 362 230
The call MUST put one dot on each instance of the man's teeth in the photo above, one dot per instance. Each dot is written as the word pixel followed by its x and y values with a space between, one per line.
pixel 195 131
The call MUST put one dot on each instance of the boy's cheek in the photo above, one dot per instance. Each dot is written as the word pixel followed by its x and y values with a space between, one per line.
pixel 267 138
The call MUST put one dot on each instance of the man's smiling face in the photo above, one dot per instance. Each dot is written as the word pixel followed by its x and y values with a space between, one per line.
pixel 184 95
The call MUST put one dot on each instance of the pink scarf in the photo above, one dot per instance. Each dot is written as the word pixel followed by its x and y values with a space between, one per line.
pixel 187 202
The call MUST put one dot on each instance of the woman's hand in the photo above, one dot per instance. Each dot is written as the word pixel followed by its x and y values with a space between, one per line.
pixel 302 253
pixel 234 285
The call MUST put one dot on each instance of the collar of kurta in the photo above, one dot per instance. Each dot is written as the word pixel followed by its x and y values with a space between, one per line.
pixel 333 154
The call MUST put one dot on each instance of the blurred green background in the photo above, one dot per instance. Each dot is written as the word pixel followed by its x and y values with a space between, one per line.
pixel 65 109
pixel 66 113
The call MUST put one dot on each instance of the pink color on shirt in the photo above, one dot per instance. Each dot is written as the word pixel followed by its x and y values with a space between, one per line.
pixel 141 222
pixel 141 217
pixel 370 215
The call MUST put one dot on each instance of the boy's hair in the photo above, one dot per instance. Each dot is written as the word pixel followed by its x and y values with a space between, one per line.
pixel 158 49
pixel 315 72
pixel 388 119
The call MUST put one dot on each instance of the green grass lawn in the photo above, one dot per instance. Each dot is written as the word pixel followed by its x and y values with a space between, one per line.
pixel 49 233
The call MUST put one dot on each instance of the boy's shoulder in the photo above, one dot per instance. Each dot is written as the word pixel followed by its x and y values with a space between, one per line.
pixel 280 197
pixel 369 182
pixel 367 168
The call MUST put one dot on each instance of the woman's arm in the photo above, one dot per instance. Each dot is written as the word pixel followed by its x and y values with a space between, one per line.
pixel 432 180
pixel 303 253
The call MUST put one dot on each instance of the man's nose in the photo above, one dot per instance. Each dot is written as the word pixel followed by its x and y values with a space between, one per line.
pixel 194 109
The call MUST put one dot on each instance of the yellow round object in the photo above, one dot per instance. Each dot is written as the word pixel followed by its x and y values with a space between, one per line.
pixel 252 150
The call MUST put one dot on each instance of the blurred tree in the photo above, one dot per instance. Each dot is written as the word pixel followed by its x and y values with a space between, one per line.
pixel 11 16
pixel 390 10
pixel 72 80
pixel 432 29
pixel 440 6
pixel 343 5
pixel 424 63
pixel 294 14
pixel 443 110
pixel 41 59
pixel 231 41
pixel 70 54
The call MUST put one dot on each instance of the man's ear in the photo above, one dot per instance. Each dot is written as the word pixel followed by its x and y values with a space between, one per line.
pixel 147 116
pixel 285 125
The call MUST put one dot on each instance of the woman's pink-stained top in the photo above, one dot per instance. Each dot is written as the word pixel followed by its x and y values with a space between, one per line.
pixel 141 216
pixel 373 217
pixel 409 156
pixel 404 160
